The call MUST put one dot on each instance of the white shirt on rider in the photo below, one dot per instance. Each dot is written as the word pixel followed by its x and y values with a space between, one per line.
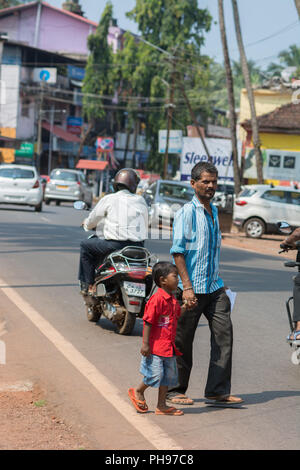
pixel 124 217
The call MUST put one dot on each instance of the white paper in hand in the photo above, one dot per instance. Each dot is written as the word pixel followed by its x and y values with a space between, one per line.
pixel 232 297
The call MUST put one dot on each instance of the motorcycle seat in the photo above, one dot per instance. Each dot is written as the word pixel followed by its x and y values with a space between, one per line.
pixel 134 252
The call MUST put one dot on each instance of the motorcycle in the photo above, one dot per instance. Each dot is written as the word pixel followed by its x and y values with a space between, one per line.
pixel 284 227
pixel 123 285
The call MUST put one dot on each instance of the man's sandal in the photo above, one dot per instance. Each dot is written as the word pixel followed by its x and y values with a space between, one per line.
pixel 295 335
pixel 226 401
pixel 180 399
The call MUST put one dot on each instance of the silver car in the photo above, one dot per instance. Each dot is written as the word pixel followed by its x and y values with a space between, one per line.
pixel 164 199
pixel 68 185
pixel 20 184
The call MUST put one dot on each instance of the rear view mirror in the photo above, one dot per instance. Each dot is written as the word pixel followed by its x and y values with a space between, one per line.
pixel 80 205
pixel 284 227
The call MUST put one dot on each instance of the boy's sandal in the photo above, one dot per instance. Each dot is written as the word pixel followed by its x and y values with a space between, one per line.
pixel 169 412
pixel 140 405
pixel 180 399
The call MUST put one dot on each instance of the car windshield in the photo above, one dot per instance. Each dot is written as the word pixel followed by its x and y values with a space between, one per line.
pixel 247 192
pixel 64 175
pixel 225 188
pixel 176 191
pixel 16 173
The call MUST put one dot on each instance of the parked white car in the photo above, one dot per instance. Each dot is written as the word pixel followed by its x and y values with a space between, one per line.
pixel 259 207
pixel 20 184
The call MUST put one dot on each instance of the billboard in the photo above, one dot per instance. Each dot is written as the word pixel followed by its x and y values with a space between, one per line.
pixel 175 141
pixel 193 152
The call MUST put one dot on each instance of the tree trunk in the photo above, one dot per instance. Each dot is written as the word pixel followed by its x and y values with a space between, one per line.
pixel 83 139
pixel 247 79
pixel 297 5
pixel 231 100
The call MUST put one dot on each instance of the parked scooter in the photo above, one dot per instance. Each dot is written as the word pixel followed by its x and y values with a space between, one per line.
pixel 285 228
pixel 123 285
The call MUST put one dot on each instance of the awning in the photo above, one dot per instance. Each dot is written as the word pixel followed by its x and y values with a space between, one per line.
pixel 61 133
pixel 91 165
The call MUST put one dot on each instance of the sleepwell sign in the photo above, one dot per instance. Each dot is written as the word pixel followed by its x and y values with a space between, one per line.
pixel 193 152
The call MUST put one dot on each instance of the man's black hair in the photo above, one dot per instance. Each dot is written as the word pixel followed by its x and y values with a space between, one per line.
pixel 202 167
pixel 162 269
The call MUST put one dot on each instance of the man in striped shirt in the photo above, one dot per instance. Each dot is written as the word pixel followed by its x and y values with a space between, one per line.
pixel 196 252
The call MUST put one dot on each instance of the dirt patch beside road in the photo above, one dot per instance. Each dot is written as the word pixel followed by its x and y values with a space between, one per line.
pixel 28 422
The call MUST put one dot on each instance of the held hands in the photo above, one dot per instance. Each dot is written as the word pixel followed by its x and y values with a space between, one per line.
pixel 189 299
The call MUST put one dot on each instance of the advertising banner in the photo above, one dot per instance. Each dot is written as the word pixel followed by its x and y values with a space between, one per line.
pixel 193 152
pixel 175 141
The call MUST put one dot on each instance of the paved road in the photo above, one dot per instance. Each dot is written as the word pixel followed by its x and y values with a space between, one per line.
pixel 87 368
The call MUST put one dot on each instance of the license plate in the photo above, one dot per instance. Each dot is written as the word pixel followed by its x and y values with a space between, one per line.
pixel 135 289
pixel 62 187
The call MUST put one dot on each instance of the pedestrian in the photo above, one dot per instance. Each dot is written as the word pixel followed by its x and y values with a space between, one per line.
pixel 196 252
pixel 158 364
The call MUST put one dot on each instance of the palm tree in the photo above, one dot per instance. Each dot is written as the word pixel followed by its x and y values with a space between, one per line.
pixel 297 5
pixel 247 78
pixel 290 57
pixel 231 100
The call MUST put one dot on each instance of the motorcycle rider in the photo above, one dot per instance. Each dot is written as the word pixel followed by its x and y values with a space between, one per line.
pixel 125 217
pixel 290 242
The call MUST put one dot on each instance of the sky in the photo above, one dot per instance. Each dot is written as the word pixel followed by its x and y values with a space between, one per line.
pixel 268 26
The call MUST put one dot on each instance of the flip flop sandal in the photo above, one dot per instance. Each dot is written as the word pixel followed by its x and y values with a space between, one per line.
pixel 140 405
pixel 180 400
pixel 169 412
pixel 224 402
pixel 294 334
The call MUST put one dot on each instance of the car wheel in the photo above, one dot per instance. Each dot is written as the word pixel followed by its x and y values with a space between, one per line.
pixel 57 203
pixel 254 227
pixel 47 202
pixel 39 207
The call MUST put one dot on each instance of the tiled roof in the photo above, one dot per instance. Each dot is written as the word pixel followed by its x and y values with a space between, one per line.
pixel 6 11
pixel 285 118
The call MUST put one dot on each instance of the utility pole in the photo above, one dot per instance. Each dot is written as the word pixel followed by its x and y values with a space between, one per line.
pixel 171 107
pixel 52 111
pixel 40 119
pixel 194 119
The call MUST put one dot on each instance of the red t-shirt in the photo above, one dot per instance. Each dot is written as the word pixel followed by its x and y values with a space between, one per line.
pixel 162 312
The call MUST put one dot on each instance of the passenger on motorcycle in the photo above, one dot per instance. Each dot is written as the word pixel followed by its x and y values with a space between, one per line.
pixel 124 215
pixel 289 242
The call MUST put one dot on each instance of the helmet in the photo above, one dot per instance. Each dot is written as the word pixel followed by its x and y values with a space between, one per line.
pixel 127 178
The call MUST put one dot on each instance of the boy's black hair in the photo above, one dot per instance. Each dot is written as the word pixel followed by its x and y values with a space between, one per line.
pixel 162 269
pixel 200 168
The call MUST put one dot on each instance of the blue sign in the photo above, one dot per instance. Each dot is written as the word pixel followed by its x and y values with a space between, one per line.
pixel 44 75
pixel 76 73
pixel 74 121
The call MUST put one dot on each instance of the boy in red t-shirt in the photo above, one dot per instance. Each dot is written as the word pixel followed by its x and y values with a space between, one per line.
pixel 159 352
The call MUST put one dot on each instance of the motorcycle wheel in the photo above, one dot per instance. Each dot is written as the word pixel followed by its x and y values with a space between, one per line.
pixel 126 327
pixel 93 314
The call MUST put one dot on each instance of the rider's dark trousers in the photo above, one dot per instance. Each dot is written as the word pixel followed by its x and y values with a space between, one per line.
pixel 296 295
pixel 93 252
pixel 216 308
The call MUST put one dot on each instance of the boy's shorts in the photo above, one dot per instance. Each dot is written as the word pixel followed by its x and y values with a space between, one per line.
pixel 158 370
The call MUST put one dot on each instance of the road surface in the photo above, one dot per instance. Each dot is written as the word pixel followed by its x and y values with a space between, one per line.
pixel 87 368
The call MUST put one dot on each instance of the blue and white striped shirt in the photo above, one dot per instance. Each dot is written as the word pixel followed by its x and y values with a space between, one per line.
pixel 198 238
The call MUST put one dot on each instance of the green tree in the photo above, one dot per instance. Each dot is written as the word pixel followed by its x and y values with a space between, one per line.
pixel 178 29
pixel 8 3
pixel 98 77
